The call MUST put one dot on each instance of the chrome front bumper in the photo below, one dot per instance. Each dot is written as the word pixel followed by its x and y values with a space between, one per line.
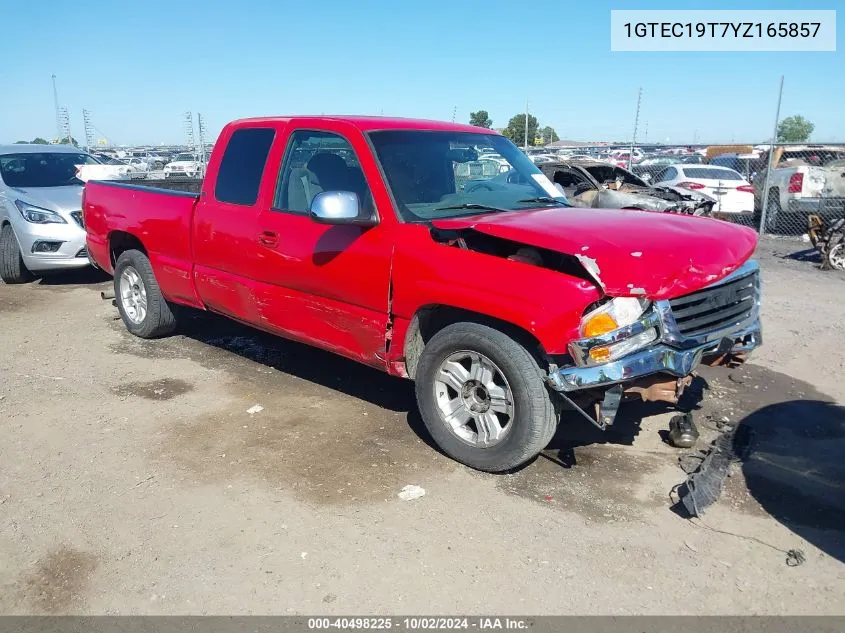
pixel 672 353
pixel 656 359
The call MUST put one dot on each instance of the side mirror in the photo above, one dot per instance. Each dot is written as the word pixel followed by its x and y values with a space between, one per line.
pixel 339 207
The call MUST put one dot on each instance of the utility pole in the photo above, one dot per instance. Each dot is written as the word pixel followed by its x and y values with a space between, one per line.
pixel 526 125
pixel 454 113
pixel 771 157
pixel 56 105
pixel 636 122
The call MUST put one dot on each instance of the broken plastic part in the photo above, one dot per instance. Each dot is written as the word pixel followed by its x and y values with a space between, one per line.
pixel 704 486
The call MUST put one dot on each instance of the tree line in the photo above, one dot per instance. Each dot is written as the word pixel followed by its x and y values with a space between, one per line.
pixel 792 129
pixel 515 130
pixel 43 141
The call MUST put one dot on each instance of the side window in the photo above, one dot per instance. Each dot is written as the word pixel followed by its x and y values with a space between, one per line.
pixel 315 162
pixel 243 162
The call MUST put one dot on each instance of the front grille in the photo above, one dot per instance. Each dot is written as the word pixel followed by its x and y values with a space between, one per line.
pixel 83 252
pixel 715 308
pixel 77 216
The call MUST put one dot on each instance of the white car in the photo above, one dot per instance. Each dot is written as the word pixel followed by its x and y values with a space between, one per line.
pixel 139 167
pixel 106 169
pixel 185 166
pixel 734 194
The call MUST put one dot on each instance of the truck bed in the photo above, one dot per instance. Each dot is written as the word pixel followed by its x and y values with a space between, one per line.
pixel 115 211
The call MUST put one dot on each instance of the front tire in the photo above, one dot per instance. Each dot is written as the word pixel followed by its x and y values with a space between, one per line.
pixel 483 398
pixel 144 310
pixel 12 268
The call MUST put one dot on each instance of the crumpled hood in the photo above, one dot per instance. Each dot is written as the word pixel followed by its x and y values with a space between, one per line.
pixel 627 252
pixel 52 198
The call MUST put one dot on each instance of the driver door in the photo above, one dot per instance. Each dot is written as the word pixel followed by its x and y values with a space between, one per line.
pixel 323 284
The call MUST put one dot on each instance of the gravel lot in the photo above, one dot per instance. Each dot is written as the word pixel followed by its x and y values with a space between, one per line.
pixel 133 480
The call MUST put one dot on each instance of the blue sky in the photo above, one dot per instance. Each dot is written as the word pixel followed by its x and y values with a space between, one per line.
pixel 137 66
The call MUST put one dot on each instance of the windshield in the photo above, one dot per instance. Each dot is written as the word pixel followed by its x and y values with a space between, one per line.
pixel 185 157
pixel 43 169
pixel 440 174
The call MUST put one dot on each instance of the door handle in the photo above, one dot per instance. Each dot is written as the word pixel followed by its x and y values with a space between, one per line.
pixel 268 238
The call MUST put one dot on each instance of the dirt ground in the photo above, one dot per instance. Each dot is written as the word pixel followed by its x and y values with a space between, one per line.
pixel 133 479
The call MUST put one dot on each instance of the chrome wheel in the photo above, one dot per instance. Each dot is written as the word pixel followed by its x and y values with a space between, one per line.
pixel 836 256
pixel 133 295
pixel 474 399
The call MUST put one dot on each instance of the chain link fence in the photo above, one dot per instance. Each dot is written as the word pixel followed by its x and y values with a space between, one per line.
pixel 782 190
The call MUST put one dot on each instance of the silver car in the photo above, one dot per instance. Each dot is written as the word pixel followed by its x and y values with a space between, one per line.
pixel 41 226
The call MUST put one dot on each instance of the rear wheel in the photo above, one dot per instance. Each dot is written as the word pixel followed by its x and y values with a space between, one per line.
pixel 483 397
pixel 774 217
pixel 144 310
pixel 12 268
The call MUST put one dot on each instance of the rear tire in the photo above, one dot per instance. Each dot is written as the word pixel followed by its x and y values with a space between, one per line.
pixel 144 310
pixel 12 268
pixel 510 374
pixel 774 217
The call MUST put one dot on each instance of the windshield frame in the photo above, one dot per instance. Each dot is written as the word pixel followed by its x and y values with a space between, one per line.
pixel 404 214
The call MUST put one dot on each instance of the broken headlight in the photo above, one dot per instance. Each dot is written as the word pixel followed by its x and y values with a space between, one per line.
pixel 610 319
pixel 612 315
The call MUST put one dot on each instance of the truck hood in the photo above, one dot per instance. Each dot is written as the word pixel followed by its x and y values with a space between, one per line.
pixel 52 198
pixel 627 252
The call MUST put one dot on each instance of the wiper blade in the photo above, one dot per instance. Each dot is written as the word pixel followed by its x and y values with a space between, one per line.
pixel 472 205
pixel 546 200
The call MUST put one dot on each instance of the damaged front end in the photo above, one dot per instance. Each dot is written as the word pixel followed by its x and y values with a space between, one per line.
pixel 654 354
pixel 622 195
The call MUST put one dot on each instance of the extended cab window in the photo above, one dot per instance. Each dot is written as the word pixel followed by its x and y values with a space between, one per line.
pixel 242 166
pixel 315 162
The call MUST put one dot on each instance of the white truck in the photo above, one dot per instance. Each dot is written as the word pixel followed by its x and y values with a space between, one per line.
pixel 805 179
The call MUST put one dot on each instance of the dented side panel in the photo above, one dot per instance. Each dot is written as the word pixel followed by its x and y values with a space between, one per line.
pixel 545 303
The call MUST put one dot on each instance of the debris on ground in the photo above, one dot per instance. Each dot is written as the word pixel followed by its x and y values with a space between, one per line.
pixel 682 431
pixel 256 408
pixel 704 484
pixel 411 492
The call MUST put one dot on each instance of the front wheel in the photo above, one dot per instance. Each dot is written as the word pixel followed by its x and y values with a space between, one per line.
pixel 12 268
pixel 144 310
pixel 483 397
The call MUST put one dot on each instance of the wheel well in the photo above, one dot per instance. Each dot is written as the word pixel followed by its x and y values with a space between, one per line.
pixel 121 241
pixel 429 320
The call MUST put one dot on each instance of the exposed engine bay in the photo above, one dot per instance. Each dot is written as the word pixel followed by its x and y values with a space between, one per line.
pixel 598 185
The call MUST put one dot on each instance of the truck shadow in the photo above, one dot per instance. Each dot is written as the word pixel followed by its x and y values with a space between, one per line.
pixel 574 431
pixel 309 363
pixel 395 394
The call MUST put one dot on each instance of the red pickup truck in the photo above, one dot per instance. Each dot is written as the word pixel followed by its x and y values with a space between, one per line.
pixel 440 253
